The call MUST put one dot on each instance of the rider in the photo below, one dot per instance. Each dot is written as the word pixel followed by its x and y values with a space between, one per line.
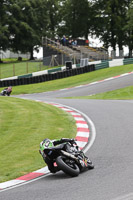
pixel 7 91
pixel 47 143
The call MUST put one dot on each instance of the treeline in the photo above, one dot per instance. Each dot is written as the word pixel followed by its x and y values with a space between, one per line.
pixel 24 23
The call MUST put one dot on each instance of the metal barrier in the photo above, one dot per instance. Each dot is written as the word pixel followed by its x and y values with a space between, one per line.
pixel 102 65
pixel 128 61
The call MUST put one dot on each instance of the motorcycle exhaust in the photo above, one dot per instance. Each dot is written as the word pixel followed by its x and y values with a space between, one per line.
pixel 69 155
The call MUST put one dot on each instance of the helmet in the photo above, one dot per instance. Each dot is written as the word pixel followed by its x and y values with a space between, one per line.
pixel 46 143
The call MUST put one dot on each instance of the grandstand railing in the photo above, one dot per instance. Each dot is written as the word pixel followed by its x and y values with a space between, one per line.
pixel 77 52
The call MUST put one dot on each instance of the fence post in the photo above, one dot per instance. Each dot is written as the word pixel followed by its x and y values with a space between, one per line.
pixel 62 59
pixel 40 66
pixel 46 42
pixel 13 69
pixel 74 59
pixel 27 67
pixel 0 72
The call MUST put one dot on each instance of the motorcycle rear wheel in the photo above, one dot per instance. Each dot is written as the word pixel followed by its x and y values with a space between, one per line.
pixel 71 169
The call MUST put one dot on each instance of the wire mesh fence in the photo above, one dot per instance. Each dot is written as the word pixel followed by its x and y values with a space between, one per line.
pixel 16 69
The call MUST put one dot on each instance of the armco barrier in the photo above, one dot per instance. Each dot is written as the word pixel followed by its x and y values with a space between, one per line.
pixel 77 65
pixel 128 61
pixel 54 70
pixel 25 76
pixel 102 65
pixel 24 80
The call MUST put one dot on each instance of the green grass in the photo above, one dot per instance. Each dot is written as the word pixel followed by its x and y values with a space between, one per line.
pixel 72 81
pixel 12 67
pixel 12 59
pixel 121 94
pixel 23 125
pixel 20 68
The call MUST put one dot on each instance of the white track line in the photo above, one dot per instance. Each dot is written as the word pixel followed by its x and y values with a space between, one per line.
pixel 83 134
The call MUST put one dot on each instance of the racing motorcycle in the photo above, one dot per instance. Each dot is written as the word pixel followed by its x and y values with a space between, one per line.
pixel 6 91
pixel 68 158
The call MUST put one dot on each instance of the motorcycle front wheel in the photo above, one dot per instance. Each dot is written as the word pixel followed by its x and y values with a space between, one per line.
pixel 68 166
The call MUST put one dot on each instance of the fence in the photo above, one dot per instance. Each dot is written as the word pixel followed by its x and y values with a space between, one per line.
pixel 14 69
pixel 57 73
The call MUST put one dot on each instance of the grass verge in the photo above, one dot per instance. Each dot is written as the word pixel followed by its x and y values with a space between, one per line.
pixel 21 68
pixel 119 94
pixel 72 81
pixel 23 125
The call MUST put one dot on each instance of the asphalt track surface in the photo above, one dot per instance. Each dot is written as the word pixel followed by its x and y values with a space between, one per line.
pixel 112 151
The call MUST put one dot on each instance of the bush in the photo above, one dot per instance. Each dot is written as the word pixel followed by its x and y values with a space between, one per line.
pixel 19 58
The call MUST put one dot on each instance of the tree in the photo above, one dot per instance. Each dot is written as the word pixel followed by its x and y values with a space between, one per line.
pixel 27 24
pixel 106 22
pixel 53 11
pixel 75 18
pixel 4 32
pixel 129 29
pixel 110 18
pixel 24 23
pixel 121 21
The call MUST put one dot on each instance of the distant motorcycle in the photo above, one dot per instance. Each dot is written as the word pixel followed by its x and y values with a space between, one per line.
pixel 67 158
pixel 6 91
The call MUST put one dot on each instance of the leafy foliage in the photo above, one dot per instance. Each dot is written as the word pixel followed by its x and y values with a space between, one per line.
pixel 110 19
pixel 24 23
pixel 4 32
pixel 75 18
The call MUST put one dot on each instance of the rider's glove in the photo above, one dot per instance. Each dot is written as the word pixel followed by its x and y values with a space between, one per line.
pixel 72 141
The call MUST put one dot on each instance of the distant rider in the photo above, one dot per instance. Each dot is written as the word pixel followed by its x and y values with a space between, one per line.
pixel 7 91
